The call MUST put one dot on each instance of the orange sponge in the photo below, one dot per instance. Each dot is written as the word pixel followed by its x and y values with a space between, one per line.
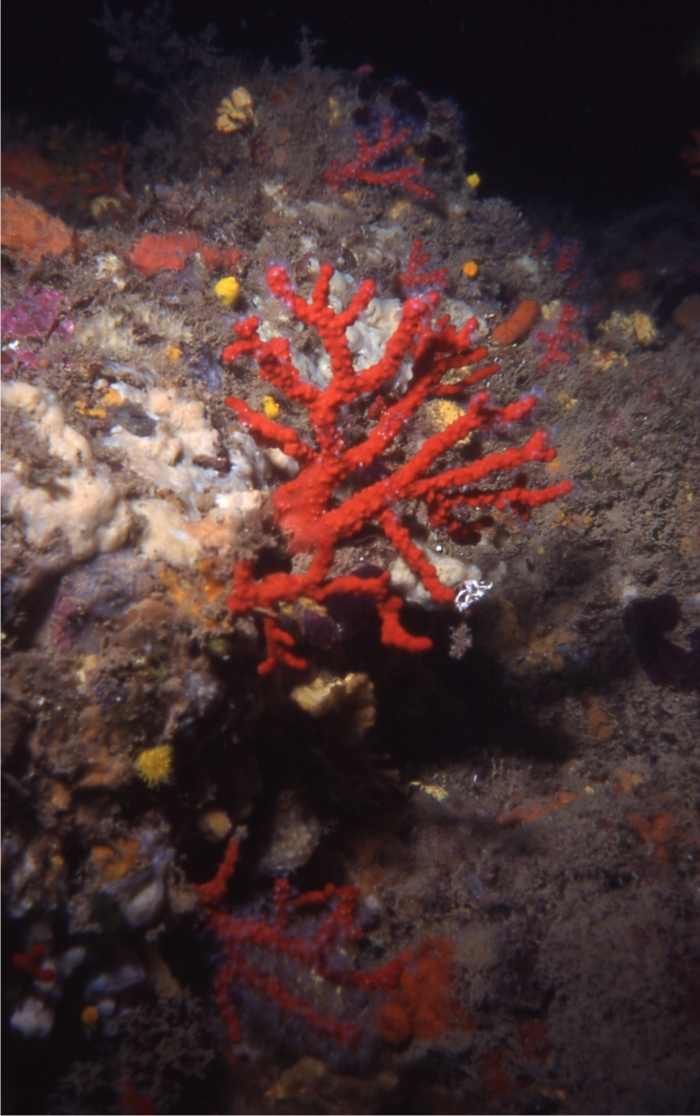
pixel 518 323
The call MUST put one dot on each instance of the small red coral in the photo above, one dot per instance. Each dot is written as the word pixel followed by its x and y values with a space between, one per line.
pixel 415 279
pixel 31 963
pixel 555 339
pixel 363 168
pixel 420 1005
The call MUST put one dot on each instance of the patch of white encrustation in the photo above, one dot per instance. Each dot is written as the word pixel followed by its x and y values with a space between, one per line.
pixel 450 571
pixel 184 507
pixel 84 507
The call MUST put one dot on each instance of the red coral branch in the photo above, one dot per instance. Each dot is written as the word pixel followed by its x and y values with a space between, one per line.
pixel 307 507
pixel 414 278
pixel 554 341
pixel 31 963
pixel 361 169
pixel 215 890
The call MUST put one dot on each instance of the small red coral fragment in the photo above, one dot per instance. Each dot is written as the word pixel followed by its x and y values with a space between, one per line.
pixel 214 891
pixel 155 252
pixel 414 279
pixel 569 255
pixel 31 963
pixel 555 340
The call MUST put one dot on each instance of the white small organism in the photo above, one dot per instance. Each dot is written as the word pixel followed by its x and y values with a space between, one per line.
pixel 32 1018
pixel 469 592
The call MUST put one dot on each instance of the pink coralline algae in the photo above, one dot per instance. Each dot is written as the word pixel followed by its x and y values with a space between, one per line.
pixel 365 167
pixel 34 314
pixel 315 519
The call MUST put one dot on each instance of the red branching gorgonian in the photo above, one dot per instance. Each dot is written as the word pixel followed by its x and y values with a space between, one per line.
pixel 309 509
pixel 241 937
pixel 366 166
pixel 308 934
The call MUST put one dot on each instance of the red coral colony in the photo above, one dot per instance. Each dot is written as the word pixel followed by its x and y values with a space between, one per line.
pixel 420 1003
pixel 308 508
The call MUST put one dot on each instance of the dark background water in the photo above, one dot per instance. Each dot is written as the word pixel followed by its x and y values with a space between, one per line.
pixel 587 104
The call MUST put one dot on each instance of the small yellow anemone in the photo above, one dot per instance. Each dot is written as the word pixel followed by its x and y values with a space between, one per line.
pixel 471 269
pixel 155 765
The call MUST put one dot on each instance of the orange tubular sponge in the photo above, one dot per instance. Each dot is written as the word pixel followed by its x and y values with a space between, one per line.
pixel 518 323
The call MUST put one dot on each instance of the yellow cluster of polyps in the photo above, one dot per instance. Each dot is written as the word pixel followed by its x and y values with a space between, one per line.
pixel 351 695
pixel 235 113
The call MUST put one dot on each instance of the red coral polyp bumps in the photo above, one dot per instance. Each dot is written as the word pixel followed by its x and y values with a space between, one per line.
pixel 308 508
